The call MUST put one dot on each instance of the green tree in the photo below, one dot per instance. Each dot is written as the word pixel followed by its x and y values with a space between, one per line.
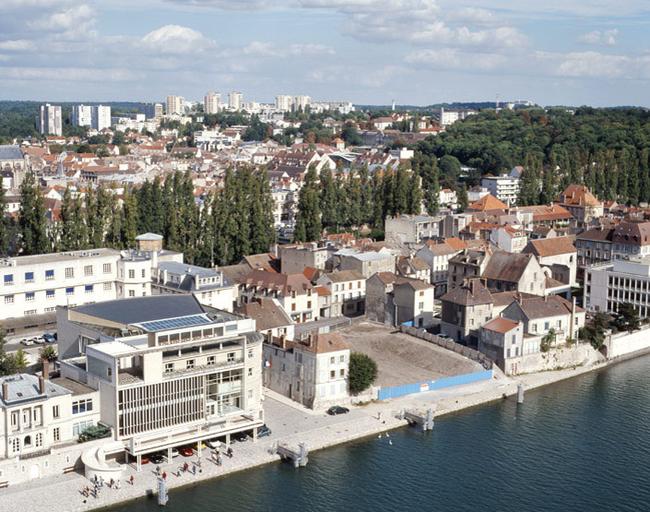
pixel 449 170
pixel 4 228
pixel 627 318
pixel 48 353
pixel 548 340
pixel 308 221
pixel 414 194
pixel 329 200
pixel 31 218
pixel 19 360
pixel 362 372
pixel 463 201
pixel 128 220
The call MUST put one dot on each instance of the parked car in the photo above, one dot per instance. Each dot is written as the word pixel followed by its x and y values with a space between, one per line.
pixel 145 459
pixel 213 443
pixel 337 409
pixel 186 451
pixel 263 431
pixel 175 453
pixel 239 437
pixel 27 342
pixel 49 338
pixel 157 458
pixel 38 340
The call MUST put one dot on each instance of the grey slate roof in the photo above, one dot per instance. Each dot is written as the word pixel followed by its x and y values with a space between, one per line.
pixel 24 387
pixel 143 309
pixel 10 152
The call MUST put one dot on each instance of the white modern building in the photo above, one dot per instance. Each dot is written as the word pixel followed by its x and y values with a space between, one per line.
pixel 212 103
pixel 175 105
pixel 97 117
pixel 284 103
pixel 504 188
pixel 169 371
pixel 235 101
pixel 82 115
pixel 51 120
pixel 31 287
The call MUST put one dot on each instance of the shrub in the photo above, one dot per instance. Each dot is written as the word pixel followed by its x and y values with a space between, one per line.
pixel 362 372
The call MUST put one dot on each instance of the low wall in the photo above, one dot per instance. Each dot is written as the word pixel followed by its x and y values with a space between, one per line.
pixel 449 344
pixel 626 343
pixel 555 359
pixel 386 393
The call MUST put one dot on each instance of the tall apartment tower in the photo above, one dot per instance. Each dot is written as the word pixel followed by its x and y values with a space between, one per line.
pixel 212 103
pixel 174 105
pixel 82 115
pixel 301 102
pixel 51 120
pixel 283 102
pixel 101 117
pixel 235 100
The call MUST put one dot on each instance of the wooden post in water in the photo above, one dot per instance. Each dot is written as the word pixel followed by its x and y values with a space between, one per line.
pixel 520 393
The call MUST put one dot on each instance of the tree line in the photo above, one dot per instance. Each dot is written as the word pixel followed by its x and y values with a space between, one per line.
pixel 220 227
pixel 606 149
pixel 354 199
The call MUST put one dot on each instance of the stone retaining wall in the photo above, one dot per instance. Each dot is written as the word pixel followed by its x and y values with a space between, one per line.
pixel 449 344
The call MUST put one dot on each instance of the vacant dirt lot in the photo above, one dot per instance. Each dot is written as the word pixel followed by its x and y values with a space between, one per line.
pixel 403 359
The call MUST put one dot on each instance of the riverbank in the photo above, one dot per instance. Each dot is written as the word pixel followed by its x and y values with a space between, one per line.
pixel 290 424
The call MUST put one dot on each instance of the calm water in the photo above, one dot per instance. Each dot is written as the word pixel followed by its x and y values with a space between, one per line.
pixel 582 445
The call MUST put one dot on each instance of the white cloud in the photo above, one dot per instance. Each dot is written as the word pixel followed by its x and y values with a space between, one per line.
pixel 261 49
pixel 310 49
pixel 76 22
pixel 70 74
pixel 451 58
pixel 267 49
pixel 592 64
pixel 605 38
pixel 16 45
pixel 177 39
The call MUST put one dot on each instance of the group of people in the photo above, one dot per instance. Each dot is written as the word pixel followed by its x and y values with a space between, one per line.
pixel 97 483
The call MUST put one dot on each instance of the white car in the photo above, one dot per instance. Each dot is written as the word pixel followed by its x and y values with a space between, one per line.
pixel 27 342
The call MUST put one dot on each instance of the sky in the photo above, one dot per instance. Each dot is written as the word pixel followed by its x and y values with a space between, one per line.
pixel 552 52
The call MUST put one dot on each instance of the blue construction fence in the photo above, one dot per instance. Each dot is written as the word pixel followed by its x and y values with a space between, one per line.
pixel 386 393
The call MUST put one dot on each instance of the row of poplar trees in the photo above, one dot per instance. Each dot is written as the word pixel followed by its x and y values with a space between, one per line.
pixel 355 199
pixel 218 228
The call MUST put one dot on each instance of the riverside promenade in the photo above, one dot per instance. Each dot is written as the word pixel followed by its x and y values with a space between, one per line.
pixel 290 424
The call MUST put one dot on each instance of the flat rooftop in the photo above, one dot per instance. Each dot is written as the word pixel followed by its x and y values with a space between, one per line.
pixel 77 388
pixel 404 359
pixel 55 257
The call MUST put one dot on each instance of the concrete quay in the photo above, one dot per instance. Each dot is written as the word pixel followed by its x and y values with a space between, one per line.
pixel 291 424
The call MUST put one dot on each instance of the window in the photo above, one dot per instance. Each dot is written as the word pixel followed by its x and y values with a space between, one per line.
pixel 88 288
pixel 69 291
pixel 342 372
pixel 56 434
pixel 108 287
pixel 308 304
pixel 9 279
pixel 9 299
pixel 30 312
pixel 55 411
pixel 81 406
pixel 15 445
pixel 231 357
pixel 38 440
pixel 69 272
pixel 189 364
pixel 131 274
pixel 341 359
pixel 332 374
pixel 332 360
pixel 49 294
pixel 29 277
pixel 250 353
pixel 211 360
pixel 88 270
pixel 514 339
pixel 293 306
pixel 107 268
pixel 169 367
pixel 250 372
pixel 49 275
pixel 421 305
pixel 546 326
pixel 79 427
pixel 29 297
pixel 131 293
pixel 144 273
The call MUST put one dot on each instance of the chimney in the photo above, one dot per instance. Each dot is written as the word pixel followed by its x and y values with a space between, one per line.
pixel 41 385
pixel 46 369
pixel 5 390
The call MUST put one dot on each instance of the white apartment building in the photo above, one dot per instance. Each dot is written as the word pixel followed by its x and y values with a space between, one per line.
pixel 235 101
pixel 208 285
pixel 31 287
pixel 301 102
pixel 175 105
pixel 313 373
pixel 212 103
pixel 412 229
pixel 284 103
pixel 82 115
pixel 169 371
pixel 608 285
pixel 51 120
pixel 101 117
pixel 504 188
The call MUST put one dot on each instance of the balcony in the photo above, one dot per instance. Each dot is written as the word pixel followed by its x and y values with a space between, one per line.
pixel 198 369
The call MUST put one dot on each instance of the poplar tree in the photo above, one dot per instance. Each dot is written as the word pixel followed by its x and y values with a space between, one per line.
pixel 328 199
pixel 4 225
pixel 129 220
pixel 414 195
pixel 31 218
pixel 308 221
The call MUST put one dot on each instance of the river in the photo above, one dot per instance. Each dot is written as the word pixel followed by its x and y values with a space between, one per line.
pixel 579 445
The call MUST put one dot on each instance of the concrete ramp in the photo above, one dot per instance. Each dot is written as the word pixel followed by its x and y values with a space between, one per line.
pixel 96 465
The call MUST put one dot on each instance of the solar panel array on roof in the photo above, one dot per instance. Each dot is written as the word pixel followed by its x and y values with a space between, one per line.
pixel 175 323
